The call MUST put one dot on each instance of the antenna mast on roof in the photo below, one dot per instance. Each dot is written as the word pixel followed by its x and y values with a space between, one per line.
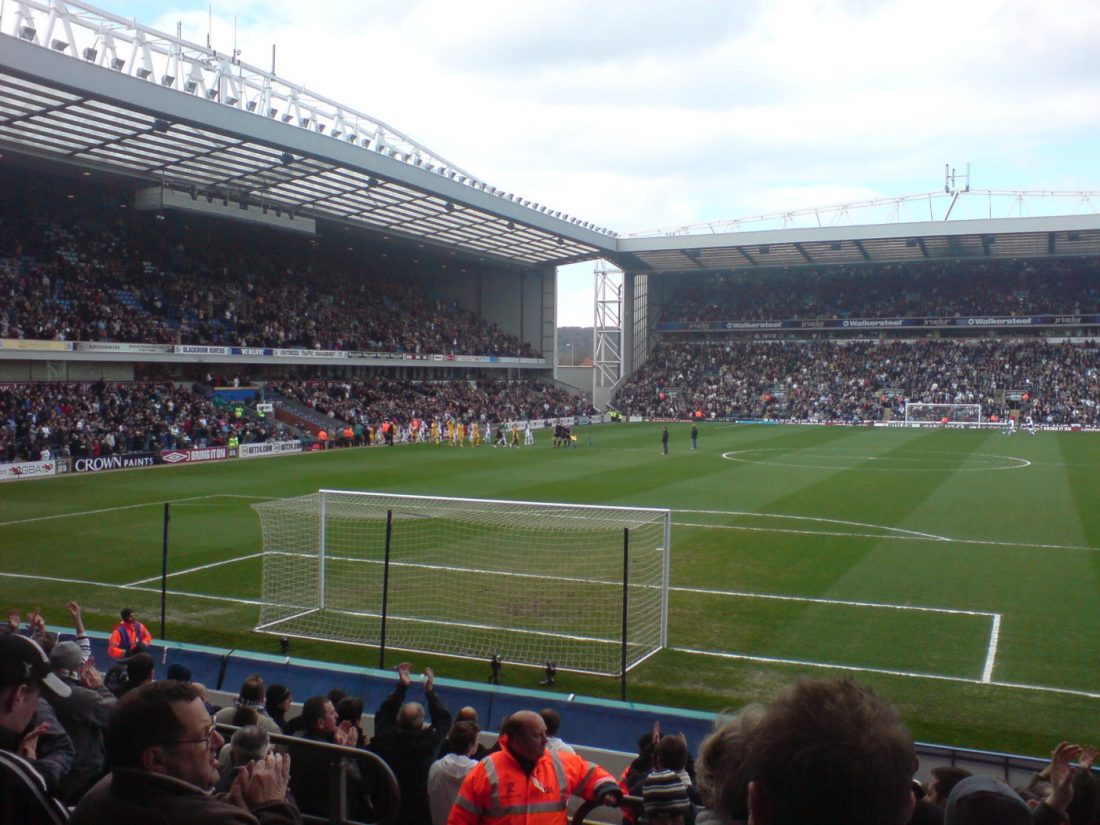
pixel 951 184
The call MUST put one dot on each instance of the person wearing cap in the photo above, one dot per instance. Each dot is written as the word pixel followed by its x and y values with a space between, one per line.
pixel 129 637
pixel 983 800
pixel 162 746
pixel 525 784
pixel 84 714
pixel 24 673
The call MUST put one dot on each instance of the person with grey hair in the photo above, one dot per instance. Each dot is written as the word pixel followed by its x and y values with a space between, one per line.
pixel 250 743
pixel 84 714
pixel 408 744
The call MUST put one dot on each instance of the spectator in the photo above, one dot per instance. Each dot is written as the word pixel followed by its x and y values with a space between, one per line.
pixel 251 695
pixel 277 704
pixel 831 751
pixel 553 722
pixel 523 775
pixel 129 637
pixel 350 710
pixel 310 780
pixel 722 769
pixel 665 799
pixel 84 714
pixel 54 752
pixel 943 781
pixel 446 773
pixel 140 670
pixel 24 671
pixel 250 743
pixel 179 673
pixel 409 744
pixel 161 745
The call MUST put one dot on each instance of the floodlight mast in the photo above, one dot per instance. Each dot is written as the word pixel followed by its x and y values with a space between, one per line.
pixel 96 36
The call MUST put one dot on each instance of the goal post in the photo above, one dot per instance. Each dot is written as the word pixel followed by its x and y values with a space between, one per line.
pixel 918 414
pixel 583 586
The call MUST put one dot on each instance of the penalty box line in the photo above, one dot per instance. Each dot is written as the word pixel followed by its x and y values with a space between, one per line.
pixel 103 510
pixel 986 676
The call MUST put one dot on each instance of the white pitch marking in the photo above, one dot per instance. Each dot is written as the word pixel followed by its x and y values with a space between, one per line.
pixel 195 569
pixel 886 671
pixel 989 542
pixel 108 510
pixel 841 602
pixel 789 531
pixel 733 455
pixel 207 596
pixel 821 519
pixel 991 651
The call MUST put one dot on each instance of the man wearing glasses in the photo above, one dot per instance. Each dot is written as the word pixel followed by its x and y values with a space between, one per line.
pixel 163 749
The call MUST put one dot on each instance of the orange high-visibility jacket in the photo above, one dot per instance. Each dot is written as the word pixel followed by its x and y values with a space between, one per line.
pixel 499 792
pixel 123 639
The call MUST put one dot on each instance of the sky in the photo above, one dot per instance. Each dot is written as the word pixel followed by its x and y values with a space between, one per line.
pixel 640 114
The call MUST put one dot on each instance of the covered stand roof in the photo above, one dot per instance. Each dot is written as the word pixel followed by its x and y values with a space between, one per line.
pixel 185 120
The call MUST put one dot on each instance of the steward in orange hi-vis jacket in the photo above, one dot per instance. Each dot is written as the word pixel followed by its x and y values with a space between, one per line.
pixel 525 784
pixel 129 637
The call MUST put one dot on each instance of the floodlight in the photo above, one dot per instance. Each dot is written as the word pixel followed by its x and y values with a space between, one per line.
pixel 320 127
pixel 89 53
pixel 250 105
pixel 304 122
pixel 272 112
pixel 232 101
pixel 190 87
pixel 27 31
pixel 167 80
pixel 117 63
pixel 144 72
pixel 287 117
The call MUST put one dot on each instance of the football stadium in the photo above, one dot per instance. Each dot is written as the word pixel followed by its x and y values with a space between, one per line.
pixel 287 384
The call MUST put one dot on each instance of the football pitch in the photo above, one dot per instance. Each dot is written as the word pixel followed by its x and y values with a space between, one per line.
pixel 956 571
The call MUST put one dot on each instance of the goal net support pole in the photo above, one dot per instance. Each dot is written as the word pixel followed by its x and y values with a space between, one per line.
pixel 531 582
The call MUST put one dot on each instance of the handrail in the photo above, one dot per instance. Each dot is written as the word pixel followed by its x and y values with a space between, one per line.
pixel 337 784
pixel 632 802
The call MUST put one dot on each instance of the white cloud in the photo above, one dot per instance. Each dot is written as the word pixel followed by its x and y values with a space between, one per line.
pixel 641 113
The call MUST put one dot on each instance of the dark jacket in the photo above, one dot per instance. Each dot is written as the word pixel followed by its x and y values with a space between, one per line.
pixel 84 715
pixel 410 753
pixel 23 794
pixel 142 798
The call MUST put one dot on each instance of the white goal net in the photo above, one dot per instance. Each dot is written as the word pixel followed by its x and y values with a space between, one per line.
pixel 926 415
pixel 527 581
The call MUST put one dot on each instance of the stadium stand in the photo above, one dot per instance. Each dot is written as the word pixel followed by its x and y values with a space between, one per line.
pixel 70 274
pixel 855 381
pixel 907 290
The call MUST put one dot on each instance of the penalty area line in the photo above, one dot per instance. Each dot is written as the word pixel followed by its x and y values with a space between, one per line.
pixel 102 510
pixel 209 566
pixel 991 649
pixel 112 586
pixel 770 660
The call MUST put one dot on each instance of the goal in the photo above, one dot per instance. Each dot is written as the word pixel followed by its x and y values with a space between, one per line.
pixel 585 587
pixel 927 415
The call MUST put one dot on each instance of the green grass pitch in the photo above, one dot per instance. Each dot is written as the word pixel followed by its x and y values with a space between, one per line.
pixel 956 571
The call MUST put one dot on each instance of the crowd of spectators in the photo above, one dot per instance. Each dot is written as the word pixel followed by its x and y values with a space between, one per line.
pixel 139 281
pixel 1057 286
pixel 370 402
pixel 823 750
pixel 89 420
pixel 864 381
